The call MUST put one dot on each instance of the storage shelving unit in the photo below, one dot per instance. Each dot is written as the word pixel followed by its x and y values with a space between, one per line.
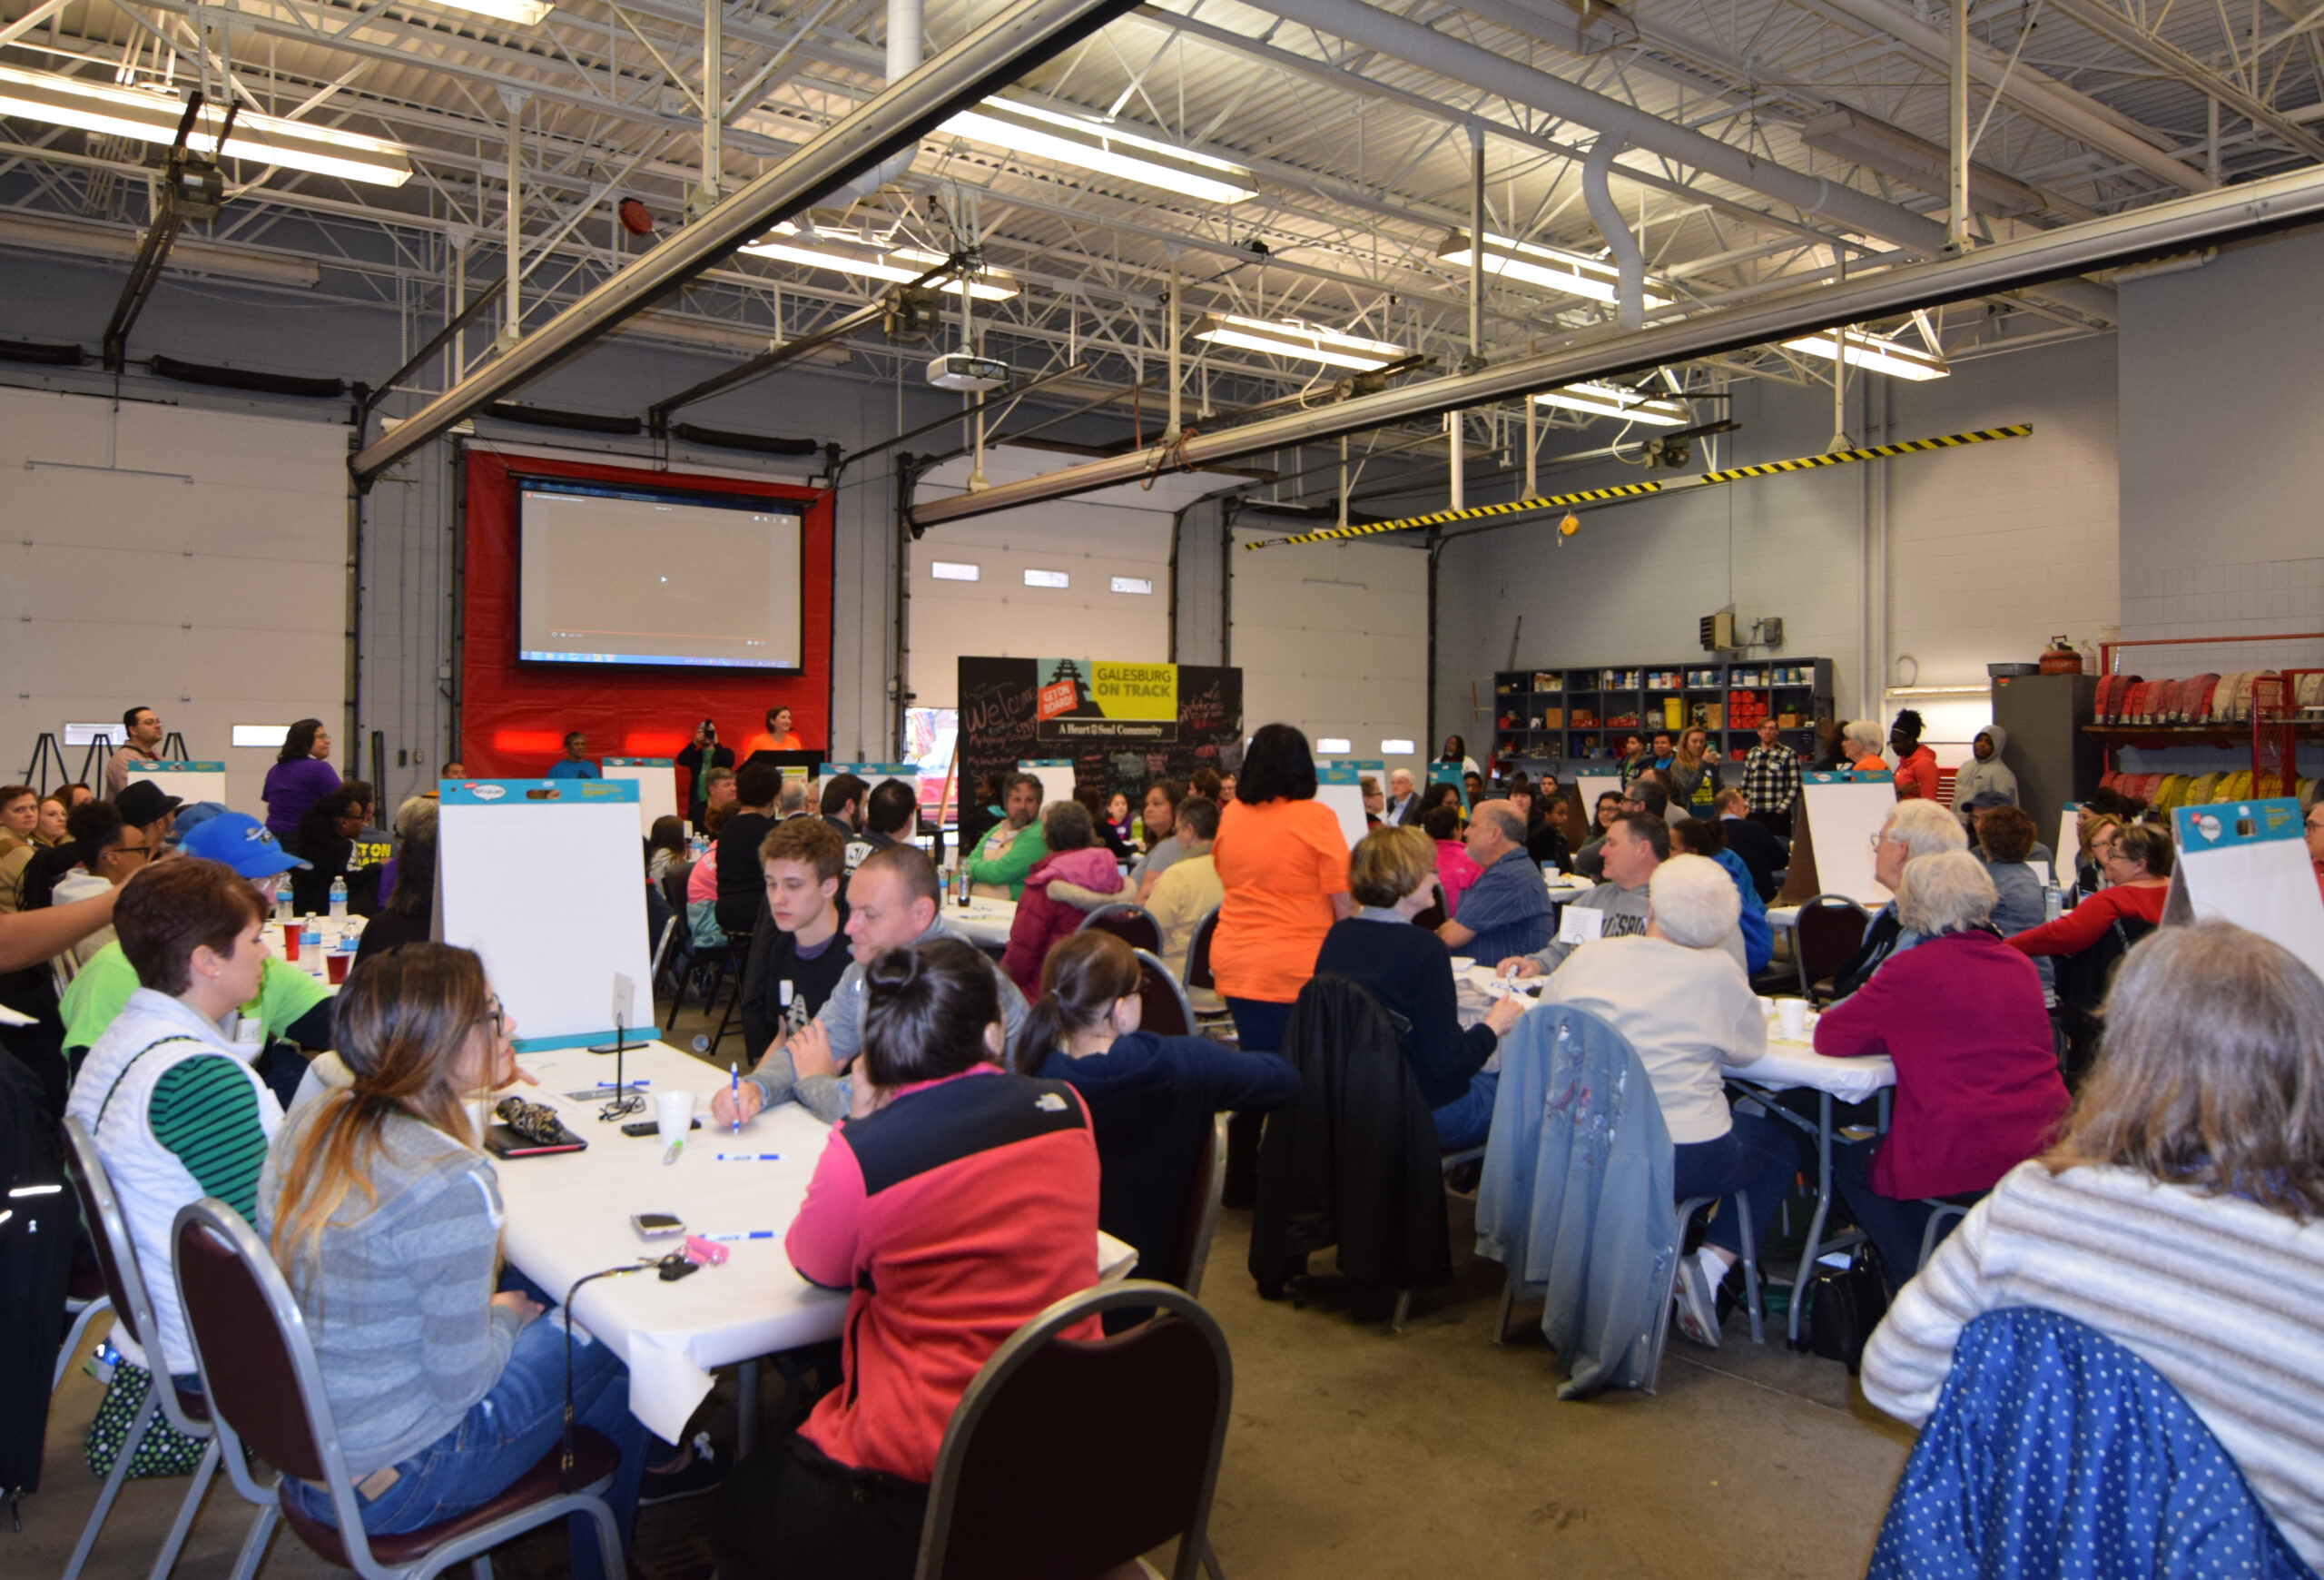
pixel 1586 710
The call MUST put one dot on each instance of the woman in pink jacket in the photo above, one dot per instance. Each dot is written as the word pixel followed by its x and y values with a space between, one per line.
pixel 1977 1084
pixel 1075 856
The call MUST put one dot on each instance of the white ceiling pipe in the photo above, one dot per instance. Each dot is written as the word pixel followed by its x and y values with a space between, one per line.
pixel 1631 289
pixel 1462 62
pixel 2260 207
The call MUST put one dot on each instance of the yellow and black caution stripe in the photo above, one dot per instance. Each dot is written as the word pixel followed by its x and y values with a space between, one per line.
pixel 1840 458
pixel 1634 490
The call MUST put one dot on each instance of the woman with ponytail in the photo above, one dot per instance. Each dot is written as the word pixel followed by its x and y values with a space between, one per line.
pixel 954 1204
pixel 1151 1098
pixel 385 1217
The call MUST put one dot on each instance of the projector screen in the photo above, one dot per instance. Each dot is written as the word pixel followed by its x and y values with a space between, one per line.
pixel 610 575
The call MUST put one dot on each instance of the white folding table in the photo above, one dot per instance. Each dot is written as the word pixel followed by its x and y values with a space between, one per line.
pixel 569 1214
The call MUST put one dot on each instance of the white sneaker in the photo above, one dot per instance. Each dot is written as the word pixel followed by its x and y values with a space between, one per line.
pixel 1698 1277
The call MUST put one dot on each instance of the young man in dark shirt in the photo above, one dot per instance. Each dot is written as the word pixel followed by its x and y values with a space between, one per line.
pixel 797 953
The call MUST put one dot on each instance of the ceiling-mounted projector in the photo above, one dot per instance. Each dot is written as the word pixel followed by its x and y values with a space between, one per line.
pixel 962 371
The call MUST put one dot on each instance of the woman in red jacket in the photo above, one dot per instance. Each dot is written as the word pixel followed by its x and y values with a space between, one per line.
pixel 2137 865
pixel 954 1204
pixel 1977 1084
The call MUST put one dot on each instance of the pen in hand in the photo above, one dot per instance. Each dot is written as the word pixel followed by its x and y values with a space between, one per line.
pixel 734 1093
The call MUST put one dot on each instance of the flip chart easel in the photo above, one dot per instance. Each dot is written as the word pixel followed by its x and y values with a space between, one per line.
pixel 1839 814
pixel 542 877
pixel 1590 784
pixel 2246 862
pixel 2068 850
pixel 656 779
pixel 1340 787
pixel 189 782
pixel 1056 774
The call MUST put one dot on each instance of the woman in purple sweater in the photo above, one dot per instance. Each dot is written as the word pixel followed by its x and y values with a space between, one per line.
pixel 302 775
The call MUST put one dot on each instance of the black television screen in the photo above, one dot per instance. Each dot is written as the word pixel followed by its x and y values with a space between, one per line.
pixel 610 574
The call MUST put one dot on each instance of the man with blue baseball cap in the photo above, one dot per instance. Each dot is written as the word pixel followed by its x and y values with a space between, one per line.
pixel 292 1005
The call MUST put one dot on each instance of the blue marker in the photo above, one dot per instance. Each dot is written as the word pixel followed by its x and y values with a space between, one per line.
pixel 750 1157
pixel 608 1085
pixel 746 1234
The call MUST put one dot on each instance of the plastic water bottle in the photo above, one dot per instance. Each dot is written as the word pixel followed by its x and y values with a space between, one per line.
pixel 339 898
pixel 282 899
pixel 2053 901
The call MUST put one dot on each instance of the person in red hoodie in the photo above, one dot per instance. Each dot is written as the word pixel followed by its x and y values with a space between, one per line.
pixel 955 1203
pixel 1916 763
pixel 2315 826
pixel 1977 1085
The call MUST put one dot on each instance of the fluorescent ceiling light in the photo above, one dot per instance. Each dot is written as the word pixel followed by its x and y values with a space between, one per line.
pixel 1549 267
pixel 1891 357
pixel 1095 145
pixel 1294 339
pixel 901 264
pixel 148 116
pixel 523 13
pixel 1610 401
pixel 187 254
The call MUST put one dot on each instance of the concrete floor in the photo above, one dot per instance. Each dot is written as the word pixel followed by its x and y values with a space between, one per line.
pixel 1351 1451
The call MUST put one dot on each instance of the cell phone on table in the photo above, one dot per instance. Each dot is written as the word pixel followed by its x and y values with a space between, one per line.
pixel 657 1225
pixel 650 1127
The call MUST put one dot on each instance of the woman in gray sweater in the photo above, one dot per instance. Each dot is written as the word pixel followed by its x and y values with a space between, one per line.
pixel 385 1217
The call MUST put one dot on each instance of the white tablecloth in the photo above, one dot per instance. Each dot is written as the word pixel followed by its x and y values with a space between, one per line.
pixel 1782 918
pixel 1787 1064
pixel 569 1214
pixel 1783 1066
pixel 983 922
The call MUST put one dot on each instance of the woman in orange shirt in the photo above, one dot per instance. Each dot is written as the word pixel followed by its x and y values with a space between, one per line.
pixel 778 736
pixel 1283 863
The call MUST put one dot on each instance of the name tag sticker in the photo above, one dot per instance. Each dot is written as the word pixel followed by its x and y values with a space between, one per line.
pixel 1580 925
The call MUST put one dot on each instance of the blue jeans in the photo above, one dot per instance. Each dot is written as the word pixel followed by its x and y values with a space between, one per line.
pixel 1896 1226
pixel 503 1435
pixel 1754 1155
pixel 1258 1024
pixel 1467 1119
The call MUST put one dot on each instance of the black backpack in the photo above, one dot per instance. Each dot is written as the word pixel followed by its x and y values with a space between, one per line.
pixel 1844 1305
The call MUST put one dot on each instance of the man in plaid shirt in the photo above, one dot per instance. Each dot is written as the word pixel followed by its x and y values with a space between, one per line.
pixel 1771 780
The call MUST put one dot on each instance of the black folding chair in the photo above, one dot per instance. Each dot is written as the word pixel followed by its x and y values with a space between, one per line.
pixel 1132 923
pixel 1134 1423
pixel 1165 1011
pixel 258 1365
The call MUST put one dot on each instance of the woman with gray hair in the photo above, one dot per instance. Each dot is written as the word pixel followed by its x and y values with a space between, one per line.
pixel 2178 1214
pixel 1977 1084
pixel 1860 744
pixel 1681 999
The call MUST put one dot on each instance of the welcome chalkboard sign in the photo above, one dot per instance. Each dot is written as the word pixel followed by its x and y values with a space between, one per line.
pixel 1121 725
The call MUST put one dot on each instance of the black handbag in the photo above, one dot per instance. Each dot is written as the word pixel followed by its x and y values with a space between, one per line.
pixel 1844 1305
